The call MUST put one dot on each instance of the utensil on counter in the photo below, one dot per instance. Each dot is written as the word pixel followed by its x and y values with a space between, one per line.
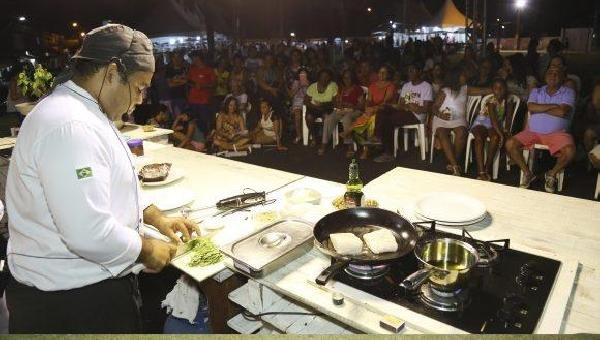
pixel 450 207
pixel 360 221
pixel 271 247
pixel 446 262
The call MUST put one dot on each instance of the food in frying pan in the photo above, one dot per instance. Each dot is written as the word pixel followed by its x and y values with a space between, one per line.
pixel 155 172
pixel 346 243
pixel 381 241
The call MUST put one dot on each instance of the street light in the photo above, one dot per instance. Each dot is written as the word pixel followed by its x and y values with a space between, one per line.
pixel 394 26
pixel 21 19
pixel 292 34
pixel 369 9
pixel 520 4
pixel 74 24
pixel 82 34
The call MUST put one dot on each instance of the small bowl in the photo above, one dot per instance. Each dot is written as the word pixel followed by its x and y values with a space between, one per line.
pixel 302 196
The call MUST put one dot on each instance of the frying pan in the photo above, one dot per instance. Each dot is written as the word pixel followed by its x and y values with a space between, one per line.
pixel 360 221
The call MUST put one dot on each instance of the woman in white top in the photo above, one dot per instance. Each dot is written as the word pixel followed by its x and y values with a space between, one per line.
pixel 268 128
pixel 450 115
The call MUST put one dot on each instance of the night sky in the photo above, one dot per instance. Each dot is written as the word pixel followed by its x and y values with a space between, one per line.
pixel 259 18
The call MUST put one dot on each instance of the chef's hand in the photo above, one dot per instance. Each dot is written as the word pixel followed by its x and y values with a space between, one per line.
pixel 170 225
pixel 156 254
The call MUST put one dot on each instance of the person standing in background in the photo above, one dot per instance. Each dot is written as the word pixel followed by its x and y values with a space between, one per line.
pixel 201 78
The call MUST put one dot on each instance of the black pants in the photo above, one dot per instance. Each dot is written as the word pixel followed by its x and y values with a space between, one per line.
pixel 110 306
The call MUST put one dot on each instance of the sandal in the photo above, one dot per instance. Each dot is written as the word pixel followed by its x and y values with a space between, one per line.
pixel 364 154
pixel 483 176
pixel 454 169
pixel 527 181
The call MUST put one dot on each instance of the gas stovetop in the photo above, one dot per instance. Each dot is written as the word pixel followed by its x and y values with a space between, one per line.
pixel 508 296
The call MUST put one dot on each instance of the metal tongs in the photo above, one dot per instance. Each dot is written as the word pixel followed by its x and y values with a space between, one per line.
pixel 236 203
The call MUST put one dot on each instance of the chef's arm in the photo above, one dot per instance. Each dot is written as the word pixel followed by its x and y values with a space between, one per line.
pixel 76 185
pixel 153 216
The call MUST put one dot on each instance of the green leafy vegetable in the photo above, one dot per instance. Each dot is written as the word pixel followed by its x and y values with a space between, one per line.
pixel 35 83
pixel 205 252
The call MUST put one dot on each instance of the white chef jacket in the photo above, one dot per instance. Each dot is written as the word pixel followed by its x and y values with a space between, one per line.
pixel 72 195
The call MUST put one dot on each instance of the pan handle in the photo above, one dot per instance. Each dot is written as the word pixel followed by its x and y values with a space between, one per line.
pixel 416 279
pixel 328 272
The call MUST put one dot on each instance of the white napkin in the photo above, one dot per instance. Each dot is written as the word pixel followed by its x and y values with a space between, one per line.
pixel 182 302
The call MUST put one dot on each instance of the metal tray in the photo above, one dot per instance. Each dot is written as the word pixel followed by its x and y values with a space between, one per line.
pixel 271 247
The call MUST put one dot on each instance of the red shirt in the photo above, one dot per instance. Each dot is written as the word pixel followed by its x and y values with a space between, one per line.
pixel 201 78
pixel 352 94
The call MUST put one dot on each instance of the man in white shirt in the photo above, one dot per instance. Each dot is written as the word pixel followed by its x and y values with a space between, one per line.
pixel 73 198
pixel 413 105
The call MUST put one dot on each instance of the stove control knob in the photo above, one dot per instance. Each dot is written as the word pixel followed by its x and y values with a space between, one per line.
pixel 530 276
pixel 513 311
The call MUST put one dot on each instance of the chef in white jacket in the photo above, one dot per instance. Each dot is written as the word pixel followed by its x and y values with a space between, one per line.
pixel 73 198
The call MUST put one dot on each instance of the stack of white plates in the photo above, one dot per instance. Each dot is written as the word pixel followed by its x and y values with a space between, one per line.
pixel 450 209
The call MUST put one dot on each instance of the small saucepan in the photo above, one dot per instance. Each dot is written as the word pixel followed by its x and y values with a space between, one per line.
pixel 446 263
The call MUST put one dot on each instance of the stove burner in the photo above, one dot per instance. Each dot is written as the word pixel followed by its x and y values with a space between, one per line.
pixel 530 276
pixel 513 311
pixel 445 301
pixel 487 254
pixel 367 272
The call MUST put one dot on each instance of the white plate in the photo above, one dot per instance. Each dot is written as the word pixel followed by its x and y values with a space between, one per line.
pixel 174 175
pixel 169 198
pixel 450 207
pixel 450 224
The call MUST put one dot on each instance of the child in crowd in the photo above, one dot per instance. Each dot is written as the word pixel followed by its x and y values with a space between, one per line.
pixel 297 92
pixel 493 122
pixel 268 129
pixel 161 118
pixel 231 133
pixel 186 133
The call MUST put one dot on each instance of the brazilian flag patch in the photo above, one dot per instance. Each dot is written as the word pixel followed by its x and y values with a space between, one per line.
pixel 84 172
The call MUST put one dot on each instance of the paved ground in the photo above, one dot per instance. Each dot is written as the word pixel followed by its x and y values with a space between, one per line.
pixel 333 166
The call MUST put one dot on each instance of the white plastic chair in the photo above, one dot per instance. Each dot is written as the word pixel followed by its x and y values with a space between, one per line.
pixel 472 105
pixel 597 193
pixel 305 132
pixel 469 153
pixel 420 138
pixel 529 156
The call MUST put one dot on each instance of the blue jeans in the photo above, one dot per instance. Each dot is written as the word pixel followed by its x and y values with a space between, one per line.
pixel 174 325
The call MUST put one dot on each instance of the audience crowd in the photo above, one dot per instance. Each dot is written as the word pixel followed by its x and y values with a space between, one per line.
pixel 364 94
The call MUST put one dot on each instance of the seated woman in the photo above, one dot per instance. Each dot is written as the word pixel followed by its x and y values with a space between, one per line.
pixel 494 122
pixel 230 133
pixel 268 128
pixel 590 121
pixel 449 109
pixel 238 92
pixel 349 104
pixel 186 133
pixel 297 92
pixel 381 95
pixel 319 102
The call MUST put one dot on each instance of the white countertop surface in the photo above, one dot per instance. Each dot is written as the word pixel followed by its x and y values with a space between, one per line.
pixel 133 131
pixel 565 228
